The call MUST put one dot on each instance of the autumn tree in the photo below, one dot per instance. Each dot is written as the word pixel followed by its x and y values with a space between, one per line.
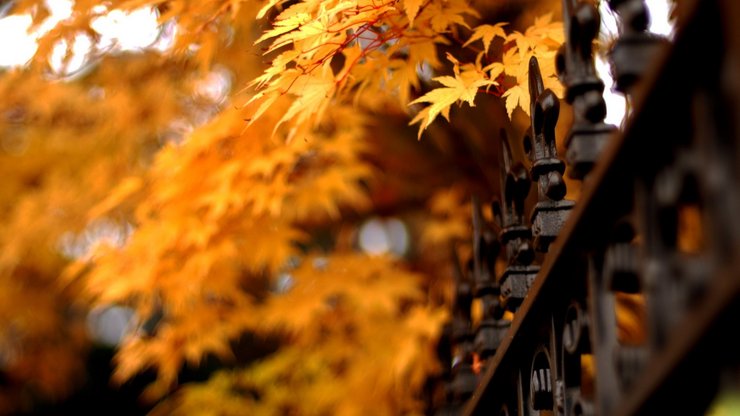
pixel 218 214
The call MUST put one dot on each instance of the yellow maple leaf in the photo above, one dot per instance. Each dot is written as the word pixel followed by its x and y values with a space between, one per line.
pixel 285 25
pixel 486 33
pixel 461 88
pixel 411 7
pixel 494 69
pixel 544 28
pixel 540 42
pixel 516 95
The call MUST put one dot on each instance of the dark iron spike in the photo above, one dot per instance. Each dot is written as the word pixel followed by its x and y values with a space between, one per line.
pixel 536 85
pixel 505 157
pixel 515 184
pixel 463 379
pixel 463 297
pixel 482 246
pixel 568 7
pixel 492 327
pixel 544 115
pixel 550 212
pixel 515 234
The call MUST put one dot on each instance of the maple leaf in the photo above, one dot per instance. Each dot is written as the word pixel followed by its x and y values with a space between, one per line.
pixel 544 28
pixel 486 33
pixel 539 41
pixel 494 69
pixel 516 96
pixel 284 25
pixel 444 14
pixel 463 87
pixel 411 7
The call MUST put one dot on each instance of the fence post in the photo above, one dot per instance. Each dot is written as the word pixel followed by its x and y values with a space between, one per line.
pixel 575 66
pixel 551 210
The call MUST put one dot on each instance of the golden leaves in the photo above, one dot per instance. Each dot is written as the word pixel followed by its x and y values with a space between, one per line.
pixel 350 318
pixel 311 95
pixel 486 33
pixel 450 218
pixel 222 209
pixel 334 50
pixel 361 284
pixel 541 40
pixel 411 7
pixel 284 24
pixel 185 337
pixel 70 148
pixel 461 88
pixel 445 15
pixel 123 191
pixel 516 96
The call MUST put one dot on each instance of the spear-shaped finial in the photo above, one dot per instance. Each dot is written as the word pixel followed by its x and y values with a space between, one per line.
pixel 547 169
pixel 463 379
pixel 492 327
pixel 515 235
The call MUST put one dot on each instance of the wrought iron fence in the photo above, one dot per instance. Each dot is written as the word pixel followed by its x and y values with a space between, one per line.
pixel 627 301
